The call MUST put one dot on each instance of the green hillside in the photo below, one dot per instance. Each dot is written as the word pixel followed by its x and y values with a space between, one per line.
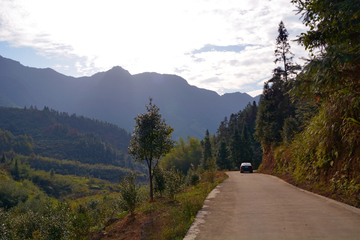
pixel 58 136
pixel 308 121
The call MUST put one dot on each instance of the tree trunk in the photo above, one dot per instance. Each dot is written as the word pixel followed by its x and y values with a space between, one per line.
pixel 151 184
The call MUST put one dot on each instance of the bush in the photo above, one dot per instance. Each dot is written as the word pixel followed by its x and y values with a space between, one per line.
pixel 159 180
pixel 174 182
pixel 11 194
pixel 210 174
pixel 53 222
pixel 130 195
pixel 192 177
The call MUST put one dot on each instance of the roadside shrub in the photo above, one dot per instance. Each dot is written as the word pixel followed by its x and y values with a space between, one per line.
pixel 192 177
pixel 174 182
pixel 130 195
pixel 159 180
pixel 210 173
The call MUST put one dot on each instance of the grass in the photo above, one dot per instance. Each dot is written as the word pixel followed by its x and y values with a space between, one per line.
pixel 162 218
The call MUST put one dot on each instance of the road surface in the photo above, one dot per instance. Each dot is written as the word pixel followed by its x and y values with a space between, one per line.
pixel 258 206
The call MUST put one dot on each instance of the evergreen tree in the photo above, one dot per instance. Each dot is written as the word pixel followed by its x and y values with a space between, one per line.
pixel 223 156
pixel 282 51
pixel 274 104
pixel 222 130
pixel 3 159
pixel 207 153
pixel 247 149
pixel 16 171
pixel 52 173
pixel 236 148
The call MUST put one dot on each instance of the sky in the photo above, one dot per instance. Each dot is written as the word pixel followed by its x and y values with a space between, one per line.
pixel 226 46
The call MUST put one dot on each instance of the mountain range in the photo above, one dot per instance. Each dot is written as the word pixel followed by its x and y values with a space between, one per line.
pixel 116 96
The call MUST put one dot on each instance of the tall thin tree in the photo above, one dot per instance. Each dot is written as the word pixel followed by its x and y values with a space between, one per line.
pixel 207 154
pixel 282 51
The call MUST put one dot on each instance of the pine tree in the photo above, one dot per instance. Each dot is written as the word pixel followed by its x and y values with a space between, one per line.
pixel 16 171
pixel 52 173
pixel 246 141
pixel 223 156
pixel 207 153
pixel 236 148
pixel 3 159
pixel 274 104
pixel 282 51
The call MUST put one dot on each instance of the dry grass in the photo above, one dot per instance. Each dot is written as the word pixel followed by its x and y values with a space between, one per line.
pixel 161 218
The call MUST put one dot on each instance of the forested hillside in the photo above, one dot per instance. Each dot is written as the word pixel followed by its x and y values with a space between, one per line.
pixel 235 139
pixel 58 136
pixel 232 144
pixel 308 121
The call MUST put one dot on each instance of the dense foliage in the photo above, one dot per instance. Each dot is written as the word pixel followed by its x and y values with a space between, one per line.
pixel 183 155
pixel 21 144
pixel 64 140
pixel 238 134
pixel 317 143
pixel 275 107
pixel 58 135
pixel 151 140
pixel 33 122
pixel 38 205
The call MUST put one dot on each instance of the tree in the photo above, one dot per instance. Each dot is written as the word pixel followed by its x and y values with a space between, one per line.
pixel 246 141
pixel 207 153
pixel 236 148
pixel 223 156
pixel 16 171
pixel 52 173
pixel 331 79
pixel 160 180
pixel 129 194
pixel 175 182
pixel 183 155
pixel 3 159
pixel 282 51
pixel 151 140
pixel 274 104
pixel 333 39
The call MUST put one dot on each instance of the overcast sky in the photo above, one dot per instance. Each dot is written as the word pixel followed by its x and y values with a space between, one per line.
pixel 225 46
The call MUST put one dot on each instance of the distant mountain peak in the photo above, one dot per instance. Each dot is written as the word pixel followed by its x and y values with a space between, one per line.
pixel 116 96
pixel 116 75
pixel 117 70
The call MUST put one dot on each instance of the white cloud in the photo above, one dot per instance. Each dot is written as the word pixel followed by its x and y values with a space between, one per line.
pixel 156 35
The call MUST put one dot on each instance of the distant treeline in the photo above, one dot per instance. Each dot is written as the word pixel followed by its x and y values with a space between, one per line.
pixel 65 167
pixel 51 134
pixel 38 123
pixel 238 134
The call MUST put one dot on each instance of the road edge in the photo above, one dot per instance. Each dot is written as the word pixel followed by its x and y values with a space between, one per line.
pixel 199 219
pixel 344 205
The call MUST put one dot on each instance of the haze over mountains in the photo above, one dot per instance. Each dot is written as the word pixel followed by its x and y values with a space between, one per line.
pixel 117 97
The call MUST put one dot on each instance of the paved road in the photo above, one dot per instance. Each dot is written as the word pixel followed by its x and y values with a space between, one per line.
pixel 258 206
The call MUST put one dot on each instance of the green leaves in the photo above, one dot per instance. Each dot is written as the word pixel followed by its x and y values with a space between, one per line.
pixel 335 33
pixel 130 196
pixel 151 139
